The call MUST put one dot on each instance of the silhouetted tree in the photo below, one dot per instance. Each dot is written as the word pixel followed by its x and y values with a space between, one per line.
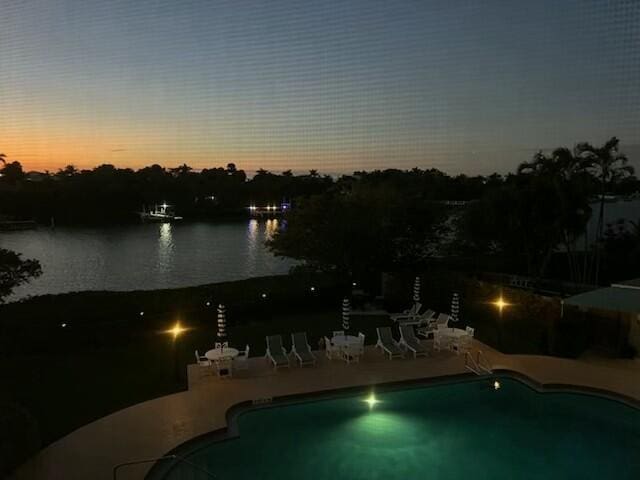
pixel 609 167
pixel 14 271
pixel 12 172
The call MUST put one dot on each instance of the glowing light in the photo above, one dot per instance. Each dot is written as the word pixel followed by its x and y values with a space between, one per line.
pixel 208 304
pixel 496 385
pixel 354 284
pixel 177 330
pixel 63 325
pixel 142 314
pixel 264 295
pixel 371 400
pixel 501 303
pixel 313 289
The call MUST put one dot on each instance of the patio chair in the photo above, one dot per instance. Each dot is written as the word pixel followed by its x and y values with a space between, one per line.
pixel 441 342
pixel 351 353
pixel 301 349
pixel 387 343
pixel 426 324
pixel 202 361
pixel 331 350
pixel 470 331
pixel 276 352
pixel 204 364
pixel 224 367
pixel 241 362
pixel 462 344
pixel 442 321
pixel 409 340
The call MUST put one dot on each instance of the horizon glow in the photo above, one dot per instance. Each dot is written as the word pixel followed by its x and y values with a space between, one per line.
pixel 472 87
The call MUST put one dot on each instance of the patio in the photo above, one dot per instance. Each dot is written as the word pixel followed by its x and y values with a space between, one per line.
pixel 153 428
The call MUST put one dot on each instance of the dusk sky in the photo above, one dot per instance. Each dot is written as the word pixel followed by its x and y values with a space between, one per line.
pixel 463 86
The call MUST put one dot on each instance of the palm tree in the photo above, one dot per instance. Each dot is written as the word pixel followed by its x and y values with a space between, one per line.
pixel 564 169
pixel 609 167
pixel 3 158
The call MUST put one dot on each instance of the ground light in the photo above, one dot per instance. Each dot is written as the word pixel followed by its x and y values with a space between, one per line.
pixel 501 303
pixel 176 330
pixel 496 385
pixel 371 400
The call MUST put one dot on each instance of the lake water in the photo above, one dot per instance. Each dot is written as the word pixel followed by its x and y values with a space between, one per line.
pixel 145 257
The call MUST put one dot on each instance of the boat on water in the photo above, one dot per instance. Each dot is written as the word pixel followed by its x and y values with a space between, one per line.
pixel 159 213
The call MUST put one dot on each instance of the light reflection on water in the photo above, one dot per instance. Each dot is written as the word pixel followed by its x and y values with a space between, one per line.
pixel 146 256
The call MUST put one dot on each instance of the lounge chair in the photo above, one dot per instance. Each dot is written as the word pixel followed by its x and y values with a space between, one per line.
pixel 387 343
pixel 426 324
pixel 407 315
pixel 301 349
pixel 409 340
pixel 276 352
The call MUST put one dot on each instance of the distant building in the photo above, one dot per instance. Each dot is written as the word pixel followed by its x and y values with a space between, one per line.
pixel 607 318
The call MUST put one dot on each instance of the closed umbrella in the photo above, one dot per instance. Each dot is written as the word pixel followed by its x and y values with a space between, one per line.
pixel 416 290
pixel 346 311
pixel 222 324
pixel 455 308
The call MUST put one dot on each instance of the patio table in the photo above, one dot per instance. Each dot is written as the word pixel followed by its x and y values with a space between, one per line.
pixel 345 340
pixel 220 353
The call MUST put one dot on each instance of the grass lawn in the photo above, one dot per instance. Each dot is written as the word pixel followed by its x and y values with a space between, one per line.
pixel 67 389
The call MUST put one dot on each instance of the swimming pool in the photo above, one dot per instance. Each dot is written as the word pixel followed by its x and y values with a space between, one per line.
pixel 453 431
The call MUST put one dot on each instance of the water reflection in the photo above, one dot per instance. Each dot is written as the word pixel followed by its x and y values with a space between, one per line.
pixel 165 246
pixel 146 256
pixel 270 228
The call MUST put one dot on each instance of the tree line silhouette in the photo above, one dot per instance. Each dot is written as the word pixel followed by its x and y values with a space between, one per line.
pixel 533 221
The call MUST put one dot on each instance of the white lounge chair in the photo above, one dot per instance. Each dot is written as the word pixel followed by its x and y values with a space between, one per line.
pixel 301 349
pixel 409 340
pixel 407 315
pixel 387 343
pixel 241 362
pixel 276 352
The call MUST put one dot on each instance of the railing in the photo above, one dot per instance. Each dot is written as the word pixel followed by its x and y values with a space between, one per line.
pixel 479 365
pixel 198 468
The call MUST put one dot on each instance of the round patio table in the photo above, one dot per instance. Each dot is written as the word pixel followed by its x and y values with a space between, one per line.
pixel 219 353
pixel 345 340
pixel 453 333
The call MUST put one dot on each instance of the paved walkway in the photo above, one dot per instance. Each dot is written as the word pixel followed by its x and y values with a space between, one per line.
pixel 153 428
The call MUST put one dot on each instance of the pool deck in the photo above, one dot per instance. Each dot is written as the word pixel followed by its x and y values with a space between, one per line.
pixel 153 428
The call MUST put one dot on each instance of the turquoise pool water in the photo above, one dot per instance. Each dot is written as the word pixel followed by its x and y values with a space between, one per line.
pixel 455 431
